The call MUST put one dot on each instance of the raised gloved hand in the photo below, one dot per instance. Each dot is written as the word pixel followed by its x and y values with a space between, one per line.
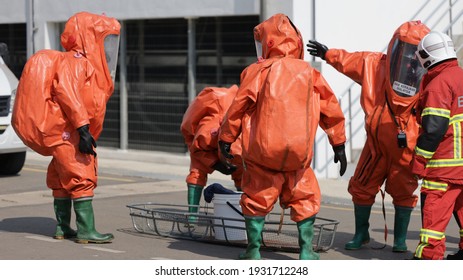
pixel 226 169
pixel 340 155
pixel 225 149
pixel 86 142
pixel 317 49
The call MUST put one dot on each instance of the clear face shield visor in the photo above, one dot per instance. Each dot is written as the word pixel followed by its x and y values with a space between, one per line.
pixel 259 50
pixel 111 49
pixel 405 69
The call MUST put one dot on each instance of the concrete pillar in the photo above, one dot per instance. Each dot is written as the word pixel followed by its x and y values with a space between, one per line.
pixel 191 59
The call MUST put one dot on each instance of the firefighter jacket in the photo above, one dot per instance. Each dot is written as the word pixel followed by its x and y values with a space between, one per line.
pixel 438 152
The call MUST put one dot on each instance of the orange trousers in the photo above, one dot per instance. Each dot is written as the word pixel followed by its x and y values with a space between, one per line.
pixel 392 169
pixel 297 190
pixel 198 173
pixel 72 174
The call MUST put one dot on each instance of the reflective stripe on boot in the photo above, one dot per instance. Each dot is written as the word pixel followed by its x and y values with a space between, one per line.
pixel 401 221
pixel 361 236
pixel 305 229
pixel 254 227
pixel 85 220
pixel 62 207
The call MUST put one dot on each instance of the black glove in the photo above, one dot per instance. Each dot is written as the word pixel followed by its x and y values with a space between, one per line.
pixel 225 149
pixel 340 155
pixel 317 49
pixel 224 168
pixel 86 142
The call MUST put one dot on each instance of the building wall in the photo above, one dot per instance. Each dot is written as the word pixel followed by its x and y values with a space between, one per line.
pixel 352 25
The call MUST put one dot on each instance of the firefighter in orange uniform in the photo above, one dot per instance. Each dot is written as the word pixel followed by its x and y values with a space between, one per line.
pixel 59 111
pixel 200 128
pixel 389 94
pixel 278 107
pixel 438 156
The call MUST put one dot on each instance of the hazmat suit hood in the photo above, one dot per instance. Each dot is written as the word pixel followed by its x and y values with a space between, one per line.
pixel 85 34
pixel 278 37
pixel 59 92
pixel 405 71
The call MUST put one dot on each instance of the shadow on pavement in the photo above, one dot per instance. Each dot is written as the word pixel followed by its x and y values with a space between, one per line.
pixel 376 249
pixel 213 249
pixel 222 251
pixel 33 225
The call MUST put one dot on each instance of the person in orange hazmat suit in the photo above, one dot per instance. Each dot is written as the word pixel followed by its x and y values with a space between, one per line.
pixel 438 157
pixel 389 94
pixel 200 129
pixel 59 111
pixel 279 105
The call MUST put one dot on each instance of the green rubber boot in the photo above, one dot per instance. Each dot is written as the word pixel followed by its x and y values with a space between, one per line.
pixel 361 236
pixel 194 196
pixel 85 220
pixel 254 227
pixel 305 229
pixel 401 221
pixel 62 207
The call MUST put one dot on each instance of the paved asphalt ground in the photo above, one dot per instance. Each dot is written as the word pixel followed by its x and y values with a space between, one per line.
pixel 130 177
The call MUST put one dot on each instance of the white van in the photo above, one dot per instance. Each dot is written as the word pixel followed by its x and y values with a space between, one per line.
pixel 12 149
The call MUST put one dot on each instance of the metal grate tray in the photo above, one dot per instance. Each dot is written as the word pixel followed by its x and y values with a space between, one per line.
pixel 170 220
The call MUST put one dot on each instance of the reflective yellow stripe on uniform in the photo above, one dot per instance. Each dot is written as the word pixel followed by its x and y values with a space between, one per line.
pixel 425 235
pixel 461 232
pixel 456 118
pixel 444 163
pixel 423 153
pixel 456 122
pixel 430 185
pixel 457 140
pixel 445 113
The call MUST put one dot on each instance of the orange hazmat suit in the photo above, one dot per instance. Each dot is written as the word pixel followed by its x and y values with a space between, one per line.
pixel 389 94
pixel 200 129
pixel 60 92
pixel 382 160
pixel 279 105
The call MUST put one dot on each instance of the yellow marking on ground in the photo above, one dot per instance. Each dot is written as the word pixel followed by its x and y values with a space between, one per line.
pixel 99 177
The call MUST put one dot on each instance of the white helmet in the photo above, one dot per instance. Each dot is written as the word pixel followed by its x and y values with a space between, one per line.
pixel 435 47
